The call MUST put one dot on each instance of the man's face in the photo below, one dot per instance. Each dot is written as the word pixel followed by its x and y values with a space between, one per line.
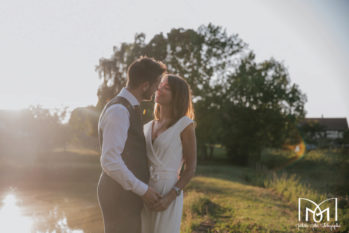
pixel 148 94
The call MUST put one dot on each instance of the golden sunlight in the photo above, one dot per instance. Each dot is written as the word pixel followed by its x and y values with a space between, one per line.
pixel 11 218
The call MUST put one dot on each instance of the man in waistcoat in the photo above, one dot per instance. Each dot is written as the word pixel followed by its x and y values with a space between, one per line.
pixel 122 187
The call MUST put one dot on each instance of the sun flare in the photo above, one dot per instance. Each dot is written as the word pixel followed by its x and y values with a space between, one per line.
pixel 11 218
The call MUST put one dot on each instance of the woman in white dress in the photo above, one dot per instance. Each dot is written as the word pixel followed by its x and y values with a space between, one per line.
pixel 171 143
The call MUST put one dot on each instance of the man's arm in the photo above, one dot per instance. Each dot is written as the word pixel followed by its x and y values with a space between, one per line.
pixel 115 124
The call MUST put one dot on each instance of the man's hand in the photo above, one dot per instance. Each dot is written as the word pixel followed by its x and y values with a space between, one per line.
pixel 165 201
pixel 151 197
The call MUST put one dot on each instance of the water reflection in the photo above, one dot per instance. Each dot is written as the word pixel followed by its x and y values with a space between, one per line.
pixel 12 219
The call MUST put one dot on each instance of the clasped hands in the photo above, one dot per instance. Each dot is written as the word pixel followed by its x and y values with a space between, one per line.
pixel 155 202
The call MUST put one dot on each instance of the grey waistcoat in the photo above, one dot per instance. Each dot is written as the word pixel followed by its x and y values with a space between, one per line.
pixel 134 153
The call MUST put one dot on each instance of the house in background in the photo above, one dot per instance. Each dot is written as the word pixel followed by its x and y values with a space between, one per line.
pixel 333 128
pixel 325 132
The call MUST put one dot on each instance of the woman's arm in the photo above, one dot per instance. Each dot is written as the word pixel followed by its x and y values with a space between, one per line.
pixel 188 139
pixel 189 155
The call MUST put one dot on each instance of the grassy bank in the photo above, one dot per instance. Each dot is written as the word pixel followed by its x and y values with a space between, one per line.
pixel 235 199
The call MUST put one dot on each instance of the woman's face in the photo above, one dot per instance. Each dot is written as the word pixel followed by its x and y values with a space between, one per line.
pixel 163 95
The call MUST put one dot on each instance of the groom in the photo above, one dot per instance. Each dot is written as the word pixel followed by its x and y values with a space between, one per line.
pixel 123 183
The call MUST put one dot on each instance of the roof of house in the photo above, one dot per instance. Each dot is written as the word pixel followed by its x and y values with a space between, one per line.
pixel 330 123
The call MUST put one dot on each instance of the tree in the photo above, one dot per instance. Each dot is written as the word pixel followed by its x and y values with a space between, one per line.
pixel 260 109
pixel 83 125
pixel 202 57
pixel 113 70
pixel 45 128
pixel 243 105
pixel 313 132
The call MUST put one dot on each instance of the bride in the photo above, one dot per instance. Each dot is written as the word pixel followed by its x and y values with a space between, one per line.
pixel 170 143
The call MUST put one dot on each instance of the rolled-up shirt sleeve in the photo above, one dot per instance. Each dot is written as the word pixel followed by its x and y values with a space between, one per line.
pixel 115 124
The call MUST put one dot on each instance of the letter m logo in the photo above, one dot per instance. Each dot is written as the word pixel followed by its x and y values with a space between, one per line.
pixel 316 211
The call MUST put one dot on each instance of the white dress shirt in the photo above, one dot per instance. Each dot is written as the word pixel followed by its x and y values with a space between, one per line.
pixel 115 124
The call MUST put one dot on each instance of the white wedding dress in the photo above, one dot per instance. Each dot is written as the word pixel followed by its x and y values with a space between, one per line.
pixel 165 159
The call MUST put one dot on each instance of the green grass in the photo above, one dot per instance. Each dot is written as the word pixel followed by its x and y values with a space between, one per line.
pixel 238 199
pixel 234 207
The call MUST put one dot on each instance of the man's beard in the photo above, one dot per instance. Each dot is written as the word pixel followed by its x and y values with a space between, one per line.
pixel 147 95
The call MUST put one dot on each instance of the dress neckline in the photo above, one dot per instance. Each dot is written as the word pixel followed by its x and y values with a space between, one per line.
pixel 151 130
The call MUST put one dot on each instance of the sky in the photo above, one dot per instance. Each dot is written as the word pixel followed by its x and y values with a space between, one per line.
pixel 49 49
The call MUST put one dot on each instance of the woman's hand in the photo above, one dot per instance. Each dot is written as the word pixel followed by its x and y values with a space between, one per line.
pixel 165 201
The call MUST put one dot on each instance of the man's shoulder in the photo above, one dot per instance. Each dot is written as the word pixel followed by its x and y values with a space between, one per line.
pixel 116 113
pixel 116 109
pixel 120 99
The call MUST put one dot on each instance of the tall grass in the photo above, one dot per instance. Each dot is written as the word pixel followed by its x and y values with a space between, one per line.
pixel 290 188
pixel 318 175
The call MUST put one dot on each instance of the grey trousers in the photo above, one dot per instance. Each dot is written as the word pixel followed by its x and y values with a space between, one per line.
pixel 121 209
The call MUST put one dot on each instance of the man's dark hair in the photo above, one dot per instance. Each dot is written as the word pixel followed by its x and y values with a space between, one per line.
pixel 144 69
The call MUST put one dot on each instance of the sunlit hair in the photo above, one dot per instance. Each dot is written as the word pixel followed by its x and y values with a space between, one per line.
pixel 181 104
pixel 144 69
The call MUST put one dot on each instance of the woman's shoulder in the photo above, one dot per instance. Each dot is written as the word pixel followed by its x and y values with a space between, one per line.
pixel 183 122
pixel 186 119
